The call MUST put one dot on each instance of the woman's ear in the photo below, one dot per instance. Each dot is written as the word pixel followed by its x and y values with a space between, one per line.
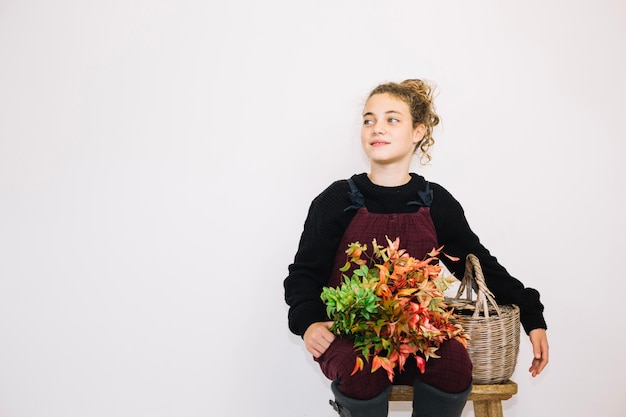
pixel 418 133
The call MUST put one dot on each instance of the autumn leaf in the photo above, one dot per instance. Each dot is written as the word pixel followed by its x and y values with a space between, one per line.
pixel 358 366
pixel 385 363
pixel 421 363
pixel 406 292
pixel 452 258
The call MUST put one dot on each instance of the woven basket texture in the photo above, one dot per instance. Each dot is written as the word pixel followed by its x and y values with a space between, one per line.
pixel 494 330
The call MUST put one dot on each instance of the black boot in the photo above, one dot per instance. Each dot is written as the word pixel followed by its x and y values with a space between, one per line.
pixel 349 407
pixel 428 401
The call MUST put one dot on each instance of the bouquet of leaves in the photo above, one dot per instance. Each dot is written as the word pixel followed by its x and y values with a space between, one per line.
pixel 393 306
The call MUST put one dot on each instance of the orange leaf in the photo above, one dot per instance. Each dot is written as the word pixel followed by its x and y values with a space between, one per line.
pixel 385 363
pixel 452 258
pixel 358 366
pixel 376 363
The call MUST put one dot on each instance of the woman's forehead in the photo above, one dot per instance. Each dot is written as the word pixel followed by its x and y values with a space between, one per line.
pixel 385 103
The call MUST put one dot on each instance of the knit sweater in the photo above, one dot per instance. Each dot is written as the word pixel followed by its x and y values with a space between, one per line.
pixel 327 220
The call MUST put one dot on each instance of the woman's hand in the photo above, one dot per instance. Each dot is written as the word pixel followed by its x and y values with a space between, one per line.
pixel 318 337
pixel 539 340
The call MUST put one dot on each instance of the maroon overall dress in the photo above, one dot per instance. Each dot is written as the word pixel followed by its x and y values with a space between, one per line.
pixel 452 372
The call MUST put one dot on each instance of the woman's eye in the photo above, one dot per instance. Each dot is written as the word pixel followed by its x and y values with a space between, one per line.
pixel 368 122
pixel 393 120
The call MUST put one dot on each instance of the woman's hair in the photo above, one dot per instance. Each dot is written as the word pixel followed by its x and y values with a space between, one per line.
pixel 419 95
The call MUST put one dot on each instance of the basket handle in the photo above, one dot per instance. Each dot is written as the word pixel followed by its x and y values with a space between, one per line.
pixel 473 279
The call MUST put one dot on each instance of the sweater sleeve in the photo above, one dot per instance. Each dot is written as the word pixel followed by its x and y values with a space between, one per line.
pixel 311 268
pixel 458 239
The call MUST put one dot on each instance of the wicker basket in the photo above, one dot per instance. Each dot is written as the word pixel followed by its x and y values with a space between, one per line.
pixel 494 337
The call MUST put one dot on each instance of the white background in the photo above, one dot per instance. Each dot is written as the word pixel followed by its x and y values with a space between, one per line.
pixel 157 159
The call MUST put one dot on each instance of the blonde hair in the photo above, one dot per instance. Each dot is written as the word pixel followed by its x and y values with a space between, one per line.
pixel 419 96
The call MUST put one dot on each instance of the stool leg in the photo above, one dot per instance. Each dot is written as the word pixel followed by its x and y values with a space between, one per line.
pixel 488 408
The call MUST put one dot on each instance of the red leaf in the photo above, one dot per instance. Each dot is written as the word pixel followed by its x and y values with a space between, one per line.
pixel 421 363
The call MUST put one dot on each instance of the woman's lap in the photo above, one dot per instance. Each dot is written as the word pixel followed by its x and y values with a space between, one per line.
pixel 452 372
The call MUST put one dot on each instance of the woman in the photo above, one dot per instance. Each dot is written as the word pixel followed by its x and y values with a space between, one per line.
pixel 398 120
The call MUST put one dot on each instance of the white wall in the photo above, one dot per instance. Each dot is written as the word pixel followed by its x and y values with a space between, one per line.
pixel 157 158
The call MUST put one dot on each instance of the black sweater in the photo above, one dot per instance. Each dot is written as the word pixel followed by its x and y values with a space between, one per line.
pixel 327 220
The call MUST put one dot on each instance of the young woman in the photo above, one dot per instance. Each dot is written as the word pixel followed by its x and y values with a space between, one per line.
pixel 398 120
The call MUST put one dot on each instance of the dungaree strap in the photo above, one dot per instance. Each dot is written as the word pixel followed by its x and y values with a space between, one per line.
pixel 425 197
pixel 355 196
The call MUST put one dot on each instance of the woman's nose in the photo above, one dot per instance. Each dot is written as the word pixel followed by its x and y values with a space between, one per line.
pixel 378 128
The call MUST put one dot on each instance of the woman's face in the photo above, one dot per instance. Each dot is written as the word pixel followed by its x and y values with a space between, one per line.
pixel 387 134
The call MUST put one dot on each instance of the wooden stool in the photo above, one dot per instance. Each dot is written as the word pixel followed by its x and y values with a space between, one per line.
pixel 487 399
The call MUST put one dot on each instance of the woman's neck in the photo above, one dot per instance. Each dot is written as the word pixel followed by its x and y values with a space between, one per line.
pixel 389 176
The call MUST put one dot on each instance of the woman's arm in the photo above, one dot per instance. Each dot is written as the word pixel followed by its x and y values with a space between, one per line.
pixel 311 269
pixel 455 234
